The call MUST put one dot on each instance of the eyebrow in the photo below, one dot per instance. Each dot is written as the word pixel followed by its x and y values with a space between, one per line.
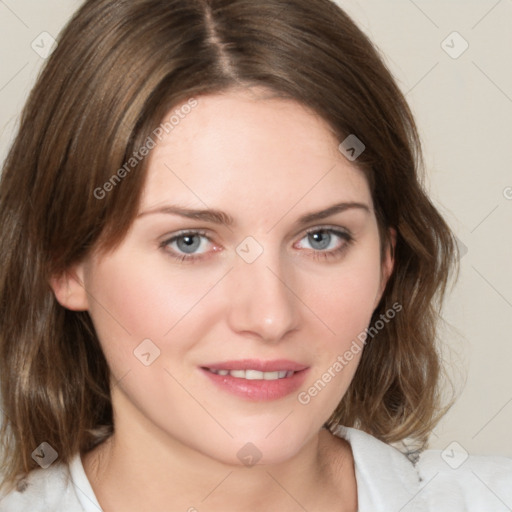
pixel 220 217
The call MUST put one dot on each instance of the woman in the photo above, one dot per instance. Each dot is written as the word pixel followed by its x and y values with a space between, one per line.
pixel 221 276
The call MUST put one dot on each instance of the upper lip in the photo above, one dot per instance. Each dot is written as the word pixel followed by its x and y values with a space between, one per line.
pixel 258 365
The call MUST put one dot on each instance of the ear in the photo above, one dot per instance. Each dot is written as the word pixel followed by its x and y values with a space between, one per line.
pixel 69 289
pixel 388 265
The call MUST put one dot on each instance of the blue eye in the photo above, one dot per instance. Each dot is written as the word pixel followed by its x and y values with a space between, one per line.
pixel 320 240
pixel 187 245
pixel 327 242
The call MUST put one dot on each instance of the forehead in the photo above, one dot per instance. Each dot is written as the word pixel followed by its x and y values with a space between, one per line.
pixel 237 150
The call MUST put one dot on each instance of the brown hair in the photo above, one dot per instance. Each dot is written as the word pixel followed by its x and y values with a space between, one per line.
pixel 119 67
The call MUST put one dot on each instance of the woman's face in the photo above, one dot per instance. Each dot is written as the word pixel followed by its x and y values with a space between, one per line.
pixel 268 275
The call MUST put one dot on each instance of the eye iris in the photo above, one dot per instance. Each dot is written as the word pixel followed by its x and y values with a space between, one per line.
pixel 321 238
pixel 188 243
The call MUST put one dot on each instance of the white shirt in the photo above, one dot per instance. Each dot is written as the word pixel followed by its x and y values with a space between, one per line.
pixel 387 481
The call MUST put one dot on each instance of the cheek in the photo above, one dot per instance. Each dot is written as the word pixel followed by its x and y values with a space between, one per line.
pixel 132 300
pixel 344 299
pixel 344 302
pixel 345 307
pixel 141 296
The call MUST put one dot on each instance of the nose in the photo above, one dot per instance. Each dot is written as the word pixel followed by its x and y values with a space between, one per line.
pixel 263 303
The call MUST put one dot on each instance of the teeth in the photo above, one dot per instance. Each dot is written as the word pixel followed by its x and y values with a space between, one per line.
pixel 255 374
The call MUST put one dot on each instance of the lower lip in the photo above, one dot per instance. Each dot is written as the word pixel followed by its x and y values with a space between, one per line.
pixel 258 390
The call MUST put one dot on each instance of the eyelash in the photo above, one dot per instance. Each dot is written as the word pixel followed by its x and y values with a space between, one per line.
pixel 317 254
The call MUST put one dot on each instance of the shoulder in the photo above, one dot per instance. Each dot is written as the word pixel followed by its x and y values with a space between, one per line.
pixel 455 480
pixel 41 491
pixel 388 479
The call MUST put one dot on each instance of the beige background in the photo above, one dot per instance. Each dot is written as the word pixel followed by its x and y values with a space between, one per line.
pixel 463 107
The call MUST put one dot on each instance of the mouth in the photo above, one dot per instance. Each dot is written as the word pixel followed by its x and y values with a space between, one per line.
pixel 257 380
pixel 256 369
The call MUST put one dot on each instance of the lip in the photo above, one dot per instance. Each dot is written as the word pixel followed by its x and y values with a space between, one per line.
pixel 259 390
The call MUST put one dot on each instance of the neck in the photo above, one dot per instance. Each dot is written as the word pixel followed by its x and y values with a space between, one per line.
pixel 174 476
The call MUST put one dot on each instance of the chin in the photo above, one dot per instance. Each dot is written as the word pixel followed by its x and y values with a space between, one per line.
pixel 265 446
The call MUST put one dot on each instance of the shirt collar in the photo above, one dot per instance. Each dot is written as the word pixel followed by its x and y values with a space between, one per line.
pixel 386 479
pixel 82 486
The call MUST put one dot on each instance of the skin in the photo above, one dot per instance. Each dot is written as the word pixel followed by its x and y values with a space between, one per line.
pixel 265 162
